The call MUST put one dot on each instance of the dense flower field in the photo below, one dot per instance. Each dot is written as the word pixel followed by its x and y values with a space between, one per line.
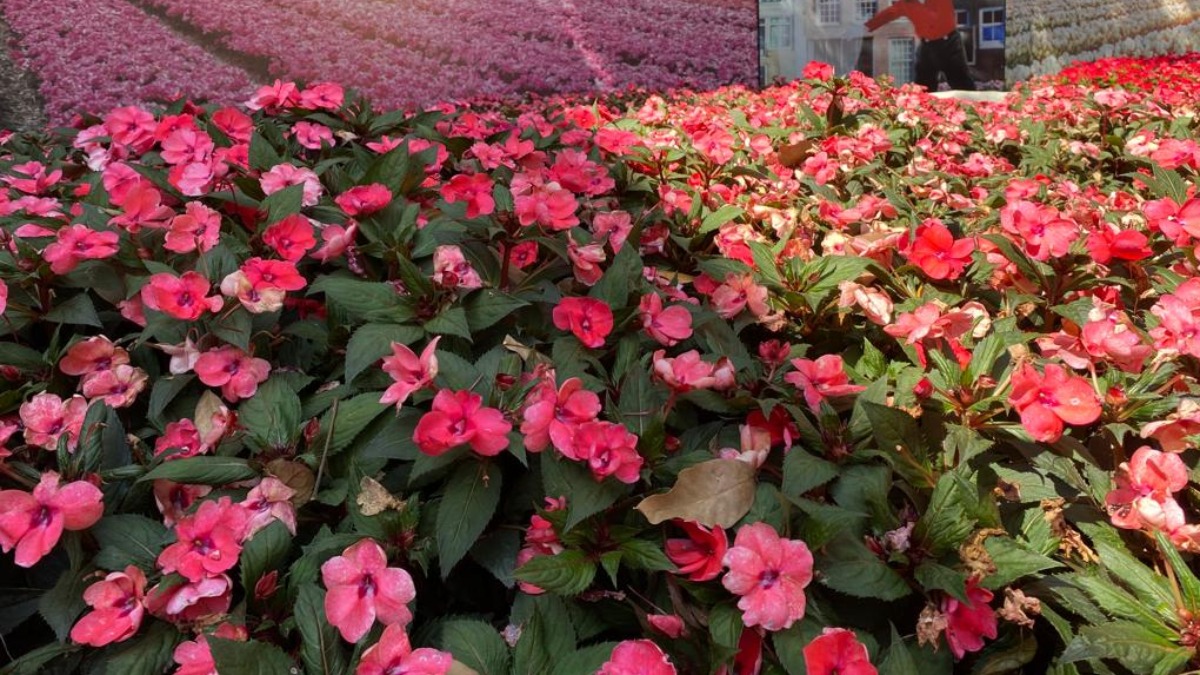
pixel 832 377
pixel 385 49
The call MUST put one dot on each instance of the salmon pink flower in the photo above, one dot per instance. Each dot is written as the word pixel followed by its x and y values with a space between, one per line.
pixel 737 293
pixel 184 297
pixel 542 203
pixel 178 600
pixel 335 239
pixel 181 436
pixel 36 179
pixel 92 355
pixel 256 300
pixel 270 274
pixel 47 417
pixel 363 200
pixel 589 319
pixel 669 625
pixel 117 609
pixel 118 386
pixel 1108 243
pixel 875 304
pixel 770 573
pixel 1149 474
pixel 75 243
pixel 523 254
pixel 586 261
pixel 475 190
pixel 1046 402
pixel 174 500
pixel 142 207
pixel 460 417
pixel 616 225
pixel 208 541
pixel 1173 433
pixel 235 124
pixel 968 623
pixel 552 416
pixel 837 651
pixel 409 372
pixel 269 500
pixel 291 237
pixel 1178 223
pixel 3 296
pixel 313 136
pixel 609 450
pixel 393 654
pixel 197 228
pixel 637 657
pixel 33 523
pixel 363 588
pixel 281 176
pixel 699 556
pixel 451 269
pixel 935 250
pixel 1041 229
pixel 1178 313
pixel 322 96
pixel 667 326
pixel 186 145
pixel 237 373
pixel 821 379
pixel 131 126
pixel 688 372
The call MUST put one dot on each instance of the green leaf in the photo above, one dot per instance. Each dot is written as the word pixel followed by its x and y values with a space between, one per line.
pixel 1189 585
pixel 128 539
pixel 645 555
pixel 374 341
pixel 849 567
pixel 933 576
pixel 78 310
pixel 803 472
pixel 585 661
pixel 725 625
pixel 34 662
pixel 267 550
pixel 1013 560
pixel 716 219
pixel 470 500
pixel 272 416
pixel 352 416
pixel 893 429
pixel 284 203
pixel 164 391
pixel 585 495
pixel 568 573
pixel 487 307
pixel 1135 646
pixel 824 522
pixel 546 635
pixel 622 276
pixel 234 327
pixel 320 645
pixel 1173 185
pixel 203 470
pixel 497 553
pixel 248 658
pixel 898 660
pixel 147 653
pixel 20 356
pixel 263 155
pixel 363 301
pixel 945 523
pixel 475 644
pixel 61 605
pixel 452 321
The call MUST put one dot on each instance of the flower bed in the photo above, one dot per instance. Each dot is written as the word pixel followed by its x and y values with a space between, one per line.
pixel 832 377
pixel 130 57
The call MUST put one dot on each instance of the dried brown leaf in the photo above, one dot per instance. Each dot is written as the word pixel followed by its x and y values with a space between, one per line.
pixel 374 499
pixel 714 493
pixel 295 475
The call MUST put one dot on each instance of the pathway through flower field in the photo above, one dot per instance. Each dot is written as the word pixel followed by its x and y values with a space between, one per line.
pixel 20 107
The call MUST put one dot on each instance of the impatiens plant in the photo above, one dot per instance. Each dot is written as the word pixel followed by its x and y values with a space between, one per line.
pixel 829 378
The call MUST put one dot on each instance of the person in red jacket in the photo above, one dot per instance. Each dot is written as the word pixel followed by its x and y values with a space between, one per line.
pixel 941 49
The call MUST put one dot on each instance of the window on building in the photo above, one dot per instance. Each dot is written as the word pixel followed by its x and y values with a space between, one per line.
pixel 991 28
pixel 828 12
pixel 902 59
pixel 965 31
pixel 779 31
pixel 963 16
pixel 867 9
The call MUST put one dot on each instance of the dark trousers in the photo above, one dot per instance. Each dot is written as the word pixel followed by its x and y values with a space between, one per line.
pixel 948 56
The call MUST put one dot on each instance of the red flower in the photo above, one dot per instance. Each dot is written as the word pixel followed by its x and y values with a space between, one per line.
pixel 968 623
pixel 1046 402
pixel 475 190
pixel 184 297
pixel 459 417
pixel 837 651
pixel 609 450
pixel 937 252
pixel 269 274
pixel 409 372
pixel 637 657
pixel 547 204
pixel 76 243
pixel 589 319
pixel 92 355
pixel 198 227
pixel 117 608
pixel 552 416
pixel 393 654
pixel 178 600
pixel 362 588
pixel 291 237
pixel 668 326
pixel 363 200
pixel 700 555
pixel 770 573
pixel 33 523
pixel 237 373
pixel 208 542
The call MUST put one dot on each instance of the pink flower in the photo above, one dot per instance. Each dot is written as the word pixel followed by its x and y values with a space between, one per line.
pixel 1178 314
pixel 460 417
pixel 393 655
pixel 269 500
pixel 194 657
pixel 313 136
pixel 738 293
pixel 616 224
pixel 118 387
pixel 208 542
pixel 688 372
pixel 1148 475
pixel 270 274
pixel 637 657
pixel 1173 432
pixel 198 227
pixel 609 450
pixel 33 523
pixel 821 379
pixel 184 297
pixel 409 372
pixel 837 651
pixel 3 296
pixel 291 237
pixel 668 326
pixel 131 126
pixel 547 204
pixel 272 97
pixel 552 416
pixel 669 625
pixel 701 555
pixel 174 500
pixel 585 261
pixel 451 269
pixel 335 239
pixel 284 175
pixel 323 96
pixel 968 623
pixel 237 373
pixel 1046 402
pixel 474 189
pixel 363 200
pixel 183 601
pixel 76 243
pixel 589 319
pixel 268 298
pixel 1041 229
pixel 874 303
pixel 180 436
pixel 770 573
pixel 187 145
pixel 47 417
pixel 142 207
pixel 117 609
pixel 92 355
pixel 362 588
pixel 935 250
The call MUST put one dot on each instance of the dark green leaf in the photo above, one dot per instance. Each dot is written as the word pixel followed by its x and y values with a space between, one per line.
pixel 373 342
pixel 452 321
pixel 568 573
pixel 352 416
pixel 128 539
pixel 803 472
pixel 285 202
pixel 248 658
pixel 850 567
pixel 203 470
pixel 147 653
pixel 585 495
pixel 320 647
pixel 78 310
pixel 475 644
pixel 1013 560
pixel 267 550
pixel 470 500
pixel 61 605
pixel 486 307
pixel 272 416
